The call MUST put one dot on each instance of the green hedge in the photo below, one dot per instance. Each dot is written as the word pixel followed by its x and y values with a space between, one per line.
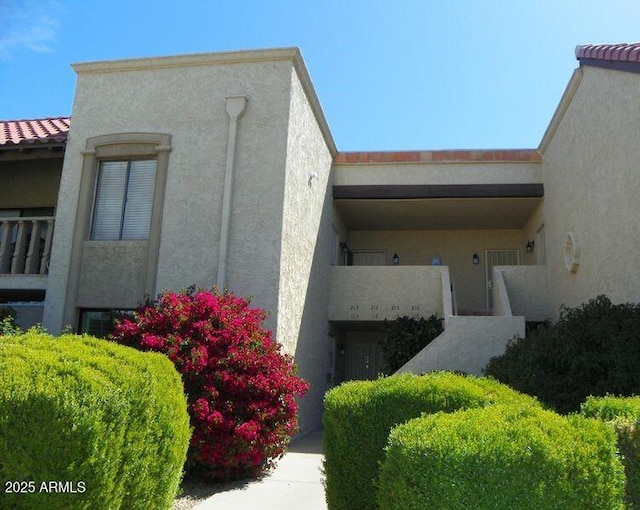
pixel 501 457
pixel 593 349
pixel 623 414
pixel 360 414
pixel 86 423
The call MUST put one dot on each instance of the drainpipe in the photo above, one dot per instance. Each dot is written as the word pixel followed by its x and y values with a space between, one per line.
pixel 235 108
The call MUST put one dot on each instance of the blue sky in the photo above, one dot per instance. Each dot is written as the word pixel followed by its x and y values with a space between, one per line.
pixel 390 75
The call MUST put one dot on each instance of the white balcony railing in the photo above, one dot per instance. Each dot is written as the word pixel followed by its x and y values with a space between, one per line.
pixel 25 245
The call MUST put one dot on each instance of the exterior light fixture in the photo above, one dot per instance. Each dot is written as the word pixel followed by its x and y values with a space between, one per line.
pixel 475 259
pixel 395 260
pixel 530 246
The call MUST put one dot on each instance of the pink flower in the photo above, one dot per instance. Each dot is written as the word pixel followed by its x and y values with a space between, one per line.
pixel 240 385
pixel 152 342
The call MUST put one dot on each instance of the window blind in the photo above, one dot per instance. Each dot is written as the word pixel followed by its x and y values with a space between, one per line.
pixel 139 200
pixel 124 200
pixel 109 200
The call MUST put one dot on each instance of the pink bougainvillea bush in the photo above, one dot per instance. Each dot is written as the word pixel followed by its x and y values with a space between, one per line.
pixel 241 388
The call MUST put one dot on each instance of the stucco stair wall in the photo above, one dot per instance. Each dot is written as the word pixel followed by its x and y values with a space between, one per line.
pixel 467 344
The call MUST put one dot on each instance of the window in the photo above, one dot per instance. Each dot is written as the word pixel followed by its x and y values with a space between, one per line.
pixel 124 200
pixel 113 204
pixel 100 323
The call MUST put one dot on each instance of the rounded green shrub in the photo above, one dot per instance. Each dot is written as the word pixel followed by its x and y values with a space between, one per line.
pixel 360 414
pixel 501 457
pixel 86 423
pixel 623 414
pixel 593 349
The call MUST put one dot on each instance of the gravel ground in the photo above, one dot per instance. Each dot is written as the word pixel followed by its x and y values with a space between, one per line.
pixel 194 491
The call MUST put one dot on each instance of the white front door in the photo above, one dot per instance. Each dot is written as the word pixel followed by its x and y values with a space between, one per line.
pixel 497 258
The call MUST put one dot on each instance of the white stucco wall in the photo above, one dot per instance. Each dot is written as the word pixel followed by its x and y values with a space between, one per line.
pixel 112 274
pixel 376 293
pixel 527 291
pixel 186 97
pixel 501 304
pixel 467 344
pixel 592 186
pixel 530 233
pixel 281 236
pixel 305 253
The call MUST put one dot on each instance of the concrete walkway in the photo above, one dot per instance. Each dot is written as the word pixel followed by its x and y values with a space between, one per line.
pixel 295 484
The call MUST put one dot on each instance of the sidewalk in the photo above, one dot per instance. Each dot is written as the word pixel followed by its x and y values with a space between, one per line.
pixel 296 483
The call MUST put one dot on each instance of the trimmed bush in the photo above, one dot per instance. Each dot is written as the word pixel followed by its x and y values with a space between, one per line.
pixel 360 414
pixel 8 322
pixel 623 414
pixel 241 388
pixel 592 350
pixel 85 423
pixel 501 457
pixel 403 338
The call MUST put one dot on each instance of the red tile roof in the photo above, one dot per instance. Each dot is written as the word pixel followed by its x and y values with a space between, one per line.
pixel 438 156
pixel 36 131
pixel 613 52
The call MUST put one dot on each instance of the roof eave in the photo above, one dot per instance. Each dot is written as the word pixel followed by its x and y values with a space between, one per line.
pixel 561 109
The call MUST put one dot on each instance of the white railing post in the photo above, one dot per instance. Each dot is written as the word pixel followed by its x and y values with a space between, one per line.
pixel 33 254
pixel 5 246
pixel 17 264
pixel 44 263
pixel 25 245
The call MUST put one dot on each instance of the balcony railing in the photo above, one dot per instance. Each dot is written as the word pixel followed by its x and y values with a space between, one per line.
pixel 25 245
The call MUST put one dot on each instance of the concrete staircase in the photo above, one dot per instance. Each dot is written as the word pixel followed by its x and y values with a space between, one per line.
pixel 467 344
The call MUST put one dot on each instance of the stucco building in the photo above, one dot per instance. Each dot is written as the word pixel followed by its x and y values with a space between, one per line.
pixel 220 169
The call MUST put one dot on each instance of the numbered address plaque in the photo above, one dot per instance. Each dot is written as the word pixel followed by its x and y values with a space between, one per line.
pixel 379 312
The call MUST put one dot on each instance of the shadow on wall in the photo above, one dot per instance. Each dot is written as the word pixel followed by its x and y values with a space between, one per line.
pixel 314 346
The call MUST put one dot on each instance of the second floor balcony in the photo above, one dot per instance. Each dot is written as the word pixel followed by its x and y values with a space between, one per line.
pixel 25 250
pixel 376 293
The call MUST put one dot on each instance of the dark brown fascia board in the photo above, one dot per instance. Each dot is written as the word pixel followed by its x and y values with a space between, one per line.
pixel 616 65
pixel 21 152
pixel 408 191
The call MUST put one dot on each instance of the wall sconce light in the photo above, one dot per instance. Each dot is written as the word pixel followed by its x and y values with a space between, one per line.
pixel 395 260
pixel 475 259
pixel 344 247
pixel 530 246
